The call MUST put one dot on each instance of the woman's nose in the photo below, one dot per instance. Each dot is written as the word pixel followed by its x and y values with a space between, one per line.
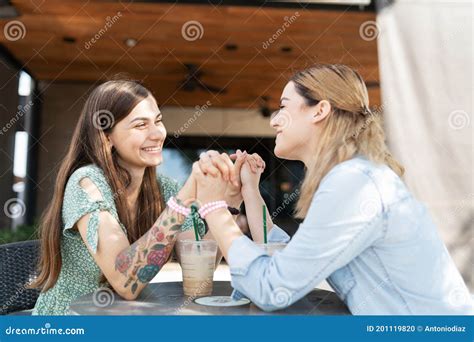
pixel 158 132
pixel 273 121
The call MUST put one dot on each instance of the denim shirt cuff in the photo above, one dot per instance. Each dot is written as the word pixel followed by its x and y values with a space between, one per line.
pixel 242 253
pixel 278 235
pixel 236 295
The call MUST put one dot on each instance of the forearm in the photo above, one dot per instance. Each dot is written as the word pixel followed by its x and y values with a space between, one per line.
pixel 223 229
pixel 219 255
pixel 234 201
pixel 253 208
pixel 209 236
pixel 140 262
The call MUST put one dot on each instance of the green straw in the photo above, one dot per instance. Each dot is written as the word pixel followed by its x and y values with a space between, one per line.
pixel 264 224
pixel 195 223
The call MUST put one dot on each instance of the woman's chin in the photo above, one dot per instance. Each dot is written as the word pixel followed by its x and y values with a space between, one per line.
pixel 156 161
pixel 284 153
pixel 279 153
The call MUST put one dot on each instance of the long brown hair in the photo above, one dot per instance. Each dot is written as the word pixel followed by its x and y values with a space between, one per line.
pixel 350 128
pixel 107 105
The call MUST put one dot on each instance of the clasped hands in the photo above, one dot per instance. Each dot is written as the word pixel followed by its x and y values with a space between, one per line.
pixel 219 176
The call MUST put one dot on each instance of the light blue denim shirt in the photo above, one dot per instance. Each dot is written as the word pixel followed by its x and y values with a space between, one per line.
pixel 370 238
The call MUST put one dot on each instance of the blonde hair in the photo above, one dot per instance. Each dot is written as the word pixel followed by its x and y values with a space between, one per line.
pixel 349 129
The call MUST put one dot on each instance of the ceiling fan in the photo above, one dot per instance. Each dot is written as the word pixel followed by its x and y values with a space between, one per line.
pixel 192 81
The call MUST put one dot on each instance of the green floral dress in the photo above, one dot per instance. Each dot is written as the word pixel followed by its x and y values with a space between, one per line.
pixel 79 273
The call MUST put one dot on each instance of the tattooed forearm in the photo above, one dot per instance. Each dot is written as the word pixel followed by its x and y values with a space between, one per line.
pixel 141 261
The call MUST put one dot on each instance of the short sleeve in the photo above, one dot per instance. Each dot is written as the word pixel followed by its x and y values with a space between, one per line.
pixel 170 188
pixel 77 203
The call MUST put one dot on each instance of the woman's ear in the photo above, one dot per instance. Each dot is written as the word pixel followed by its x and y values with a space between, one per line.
pixel 321 111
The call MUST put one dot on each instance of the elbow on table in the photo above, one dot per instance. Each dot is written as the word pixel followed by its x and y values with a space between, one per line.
pixel 271 308
pixel 274 299
pixel 267 306
pixel 122 291
pixel 127 294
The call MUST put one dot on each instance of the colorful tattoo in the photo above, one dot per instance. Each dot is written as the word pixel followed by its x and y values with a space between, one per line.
pixel 142 261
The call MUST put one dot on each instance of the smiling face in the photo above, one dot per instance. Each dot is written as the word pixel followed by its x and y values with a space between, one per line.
pixel 298 124
pixel 138 138
pixel 293 125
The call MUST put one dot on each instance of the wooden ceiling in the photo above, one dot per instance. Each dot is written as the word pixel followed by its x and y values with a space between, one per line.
pixel 57 46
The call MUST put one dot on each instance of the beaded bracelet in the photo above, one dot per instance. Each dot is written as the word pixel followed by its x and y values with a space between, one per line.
pixel 180 209
pixel 211 206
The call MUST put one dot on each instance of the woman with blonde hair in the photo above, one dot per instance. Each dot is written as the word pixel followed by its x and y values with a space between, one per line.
pixel 363 230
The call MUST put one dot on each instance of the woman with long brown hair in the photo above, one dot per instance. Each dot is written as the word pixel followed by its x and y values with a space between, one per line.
pixel 108 223
pixel 363 230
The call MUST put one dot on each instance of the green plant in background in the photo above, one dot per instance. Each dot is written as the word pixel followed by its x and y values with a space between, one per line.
pixel 23 232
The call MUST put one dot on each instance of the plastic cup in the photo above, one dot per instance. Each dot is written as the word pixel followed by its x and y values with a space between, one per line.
pixel 198 259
